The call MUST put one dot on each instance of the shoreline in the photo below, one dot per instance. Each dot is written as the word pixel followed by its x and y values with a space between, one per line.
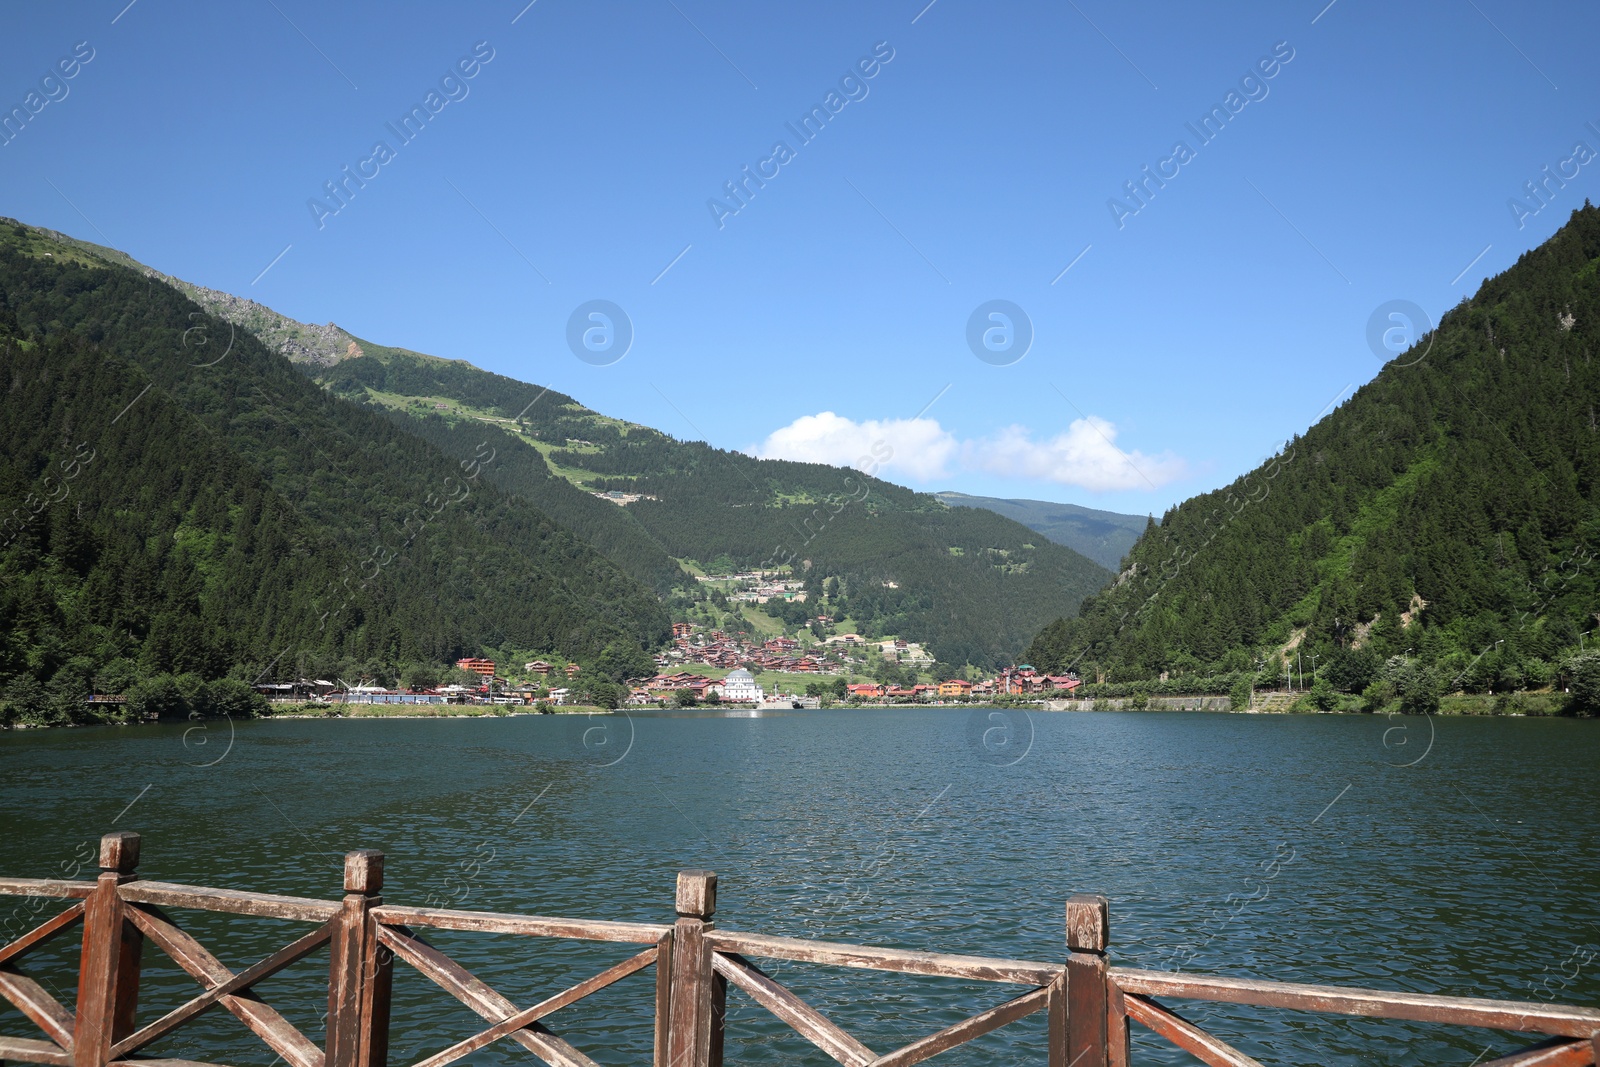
pixel 477 711
pixel 1458 711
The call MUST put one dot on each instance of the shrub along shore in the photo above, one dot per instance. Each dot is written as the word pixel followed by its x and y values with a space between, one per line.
pixel 1530 705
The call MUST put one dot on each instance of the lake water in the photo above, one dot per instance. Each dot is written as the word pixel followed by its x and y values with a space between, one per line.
pixel 1448 855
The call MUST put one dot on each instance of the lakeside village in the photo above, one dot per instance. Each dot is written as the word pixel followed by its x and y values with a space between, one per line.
pixel 732 681
pixel 735 650
pixel 738 671
pixel 751 641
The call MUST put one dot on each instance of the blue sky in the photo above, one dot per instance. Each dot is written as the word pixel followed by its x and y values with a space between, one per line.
pixel 828 317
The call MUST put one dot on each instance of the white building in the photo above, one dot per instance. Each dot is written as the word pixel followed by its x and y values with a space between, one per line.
pixel 739 687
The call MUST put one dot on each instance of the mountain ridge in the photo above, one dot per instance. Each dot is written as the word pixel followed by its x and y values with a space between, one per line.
pixel 972 585
pixel 1103 536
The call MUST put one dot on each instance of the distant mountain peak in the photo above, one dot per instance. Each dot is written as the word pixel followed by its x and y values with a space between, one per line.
pixel 1103 536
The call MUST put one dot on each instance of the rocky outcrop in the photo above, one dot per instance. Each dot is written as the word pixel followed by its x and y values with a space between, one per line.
pixel 299 342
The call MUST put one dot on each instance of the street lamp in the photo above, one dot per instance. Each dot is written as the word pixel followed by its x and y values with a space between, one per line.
pixel 1313 670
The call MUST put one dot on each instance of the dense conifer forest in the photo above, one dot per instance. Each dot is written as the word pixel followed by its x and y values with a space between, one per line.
pixel 185 512
pixel 1438 531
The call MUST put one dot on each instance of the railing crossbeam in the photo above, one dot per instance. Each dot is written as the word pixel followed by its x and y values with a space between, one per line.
pixel 1564 1020
pixel 265 1021
pixel 550 1005
pixel 805 1020
pixel 1556 1052
pixel 29 1050
pixel 965 1030
pixel 238 983
pixel 479 996
pixel 41 933
pixel 45 1011
pixel 1185 1034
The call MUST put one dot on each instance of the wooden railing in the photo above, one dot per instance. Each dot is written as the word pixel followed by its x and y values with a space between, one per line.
pixel 1086 1002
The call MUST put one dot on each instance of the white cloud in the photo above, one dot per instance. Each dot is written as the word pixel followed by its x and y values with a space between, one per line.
pixel 1085 455
pixel 921 450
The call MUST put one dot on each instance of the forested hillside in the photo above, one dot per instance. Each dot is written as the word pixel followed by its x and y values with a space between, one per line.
pixel 972 585
pixel 181 501
pixel 1440 527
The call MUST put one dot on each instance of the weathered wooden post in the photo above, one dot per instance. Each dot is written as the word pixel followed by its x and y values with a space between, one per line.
pixel 360 971
pixel 1119 1044
pixel 1087 993
pixel 663 1036
pixel 108 970
pixel 698 997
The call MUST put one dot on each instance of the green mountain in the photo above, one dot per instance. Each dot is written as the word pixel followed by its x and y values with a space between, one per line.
pixel 177 499
pixel 1103 536
pixel 356 460
pixel 1446 514
pixel 972 585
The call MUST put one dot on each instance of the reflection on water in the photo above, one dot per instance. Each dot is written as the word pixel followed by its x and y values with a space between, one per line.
pixel 1299 848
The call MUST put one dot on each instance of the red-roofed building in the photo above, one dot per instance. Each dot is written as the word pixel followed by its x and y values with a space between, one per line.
pixel 1016 680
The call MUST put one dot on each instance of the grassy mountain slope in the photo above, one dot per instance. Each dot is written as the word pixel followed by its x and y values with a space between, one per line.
pixel 461 409
pixel 1447 512
pixel 398 550
pixel 1103 536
